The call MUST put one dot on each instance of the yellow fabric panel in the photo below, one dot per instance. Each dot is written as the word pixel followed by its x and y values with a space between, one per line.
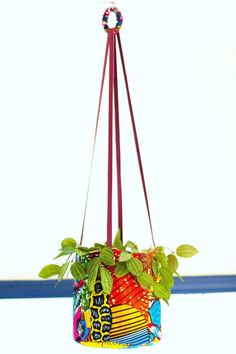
pixel 109 345
pixel 119 308
pixel 87 318
pixel 135 316
pixel 117 325
pixel 126 320
pixel 127 331
pixel 127 311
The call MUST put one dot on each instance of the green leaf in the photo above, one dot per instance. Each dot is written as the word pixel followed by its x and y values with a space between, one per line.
pixel 125 256
pixel 80 252
pixel 106 279
pixel 93 249
pixel 99 245
pixel 169 291
pixel 92 270
pixel 145 280
pixel 161 291
pixel 135 266
pixel 107 256
pixel 173 262
pixel 60 255
pixel 155 267
pixel 132 245
pixel 166 301
pixel 162 259
pixel 92 264
pixel 63 270
pixel 160 249
pixel 68 242
pixel 166 277
pixel 77 271
pixel 121 269
pixel 179 276
pixel 117 241
pixel 67 250
pixel 82 248
pixel 49 271
pixel 186 251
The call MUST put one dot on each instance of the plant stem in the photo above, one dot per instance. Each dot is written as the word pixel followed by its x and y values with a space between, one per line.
pixel 168 249
pixel 68 258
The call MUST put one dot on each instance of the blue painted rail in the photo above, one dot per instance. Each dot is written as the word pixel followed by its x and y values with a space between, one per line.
pixel 19 289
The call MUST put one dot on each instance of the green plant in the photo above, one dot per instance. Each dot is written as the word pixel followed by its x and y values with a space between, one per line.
pixel 159 279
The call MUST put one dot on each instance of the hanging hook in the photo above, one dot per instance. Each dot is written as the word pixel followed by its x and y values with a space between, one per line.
pixel 119 19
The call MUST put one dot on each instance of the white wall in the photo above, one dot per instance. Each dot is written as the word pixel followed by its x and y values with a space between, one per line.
pixel 181 64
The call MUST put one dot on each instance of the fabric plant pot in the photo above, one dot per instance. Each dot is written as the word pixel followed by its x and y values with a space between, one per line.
pixel 117 286
pixel 128 317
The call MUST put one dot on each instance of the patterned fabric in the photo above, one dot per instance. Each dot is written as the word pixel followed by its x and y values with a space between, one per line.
pixel 119 19
pixel 129 317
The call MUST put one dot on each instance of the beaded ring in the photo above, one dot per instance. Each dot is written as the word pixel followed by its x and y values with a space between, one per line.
pixel 119 19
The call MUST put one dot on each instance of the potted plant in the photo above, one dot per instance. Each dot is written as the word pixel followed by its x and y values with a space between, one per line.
pixel 117 290
pixel 117 287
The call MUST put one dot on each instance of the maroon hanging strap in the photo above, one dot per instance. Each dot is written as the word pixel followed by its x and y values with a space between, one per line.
pixel 113 95
pixel 118 153
pixel 111 39
pixel 113 89
pixel 110 48
pixel 135 137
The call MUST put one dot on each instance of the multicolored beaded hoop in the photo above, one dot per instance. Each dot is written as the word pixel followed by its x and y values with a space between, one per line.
pixel 119 19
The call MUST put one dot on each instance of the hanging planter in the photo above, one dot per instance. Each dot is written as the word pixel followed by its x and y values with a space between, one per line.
pixel 117 288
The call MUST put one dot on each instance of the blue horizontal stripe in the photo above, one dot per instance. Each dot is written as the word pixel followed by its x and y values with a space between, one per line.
pixel 139 342
pixel 139 335
pixel 134 341
pixel 18 289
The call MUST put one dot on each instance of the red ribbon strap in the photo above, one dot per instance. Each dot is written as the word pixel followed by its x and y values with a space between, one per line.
pixel 135 137
pixel 114 100
pixel 111 39
pixel 118 153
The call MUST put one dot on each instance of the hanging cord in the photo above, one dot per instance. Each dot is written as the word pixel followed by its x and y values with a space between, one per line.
pixel 113 94
pixel 118 153
pixel 111 35
pixel 113 88
pixel 135 136
pixel 94 142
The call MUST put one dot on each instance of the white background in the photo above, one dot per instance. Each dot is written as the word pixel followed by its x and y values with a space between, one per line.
pixel 180 60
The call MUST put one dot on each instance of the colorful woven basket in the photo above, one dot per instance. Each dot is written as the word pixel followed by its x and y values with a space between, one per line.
pixel 128 317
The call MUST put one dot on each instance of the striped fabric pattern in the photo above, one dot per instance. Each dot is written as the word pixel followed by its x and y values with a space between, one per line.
pixel 126 290
pixel 128 317
pixel 125 321
pixel 136 338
